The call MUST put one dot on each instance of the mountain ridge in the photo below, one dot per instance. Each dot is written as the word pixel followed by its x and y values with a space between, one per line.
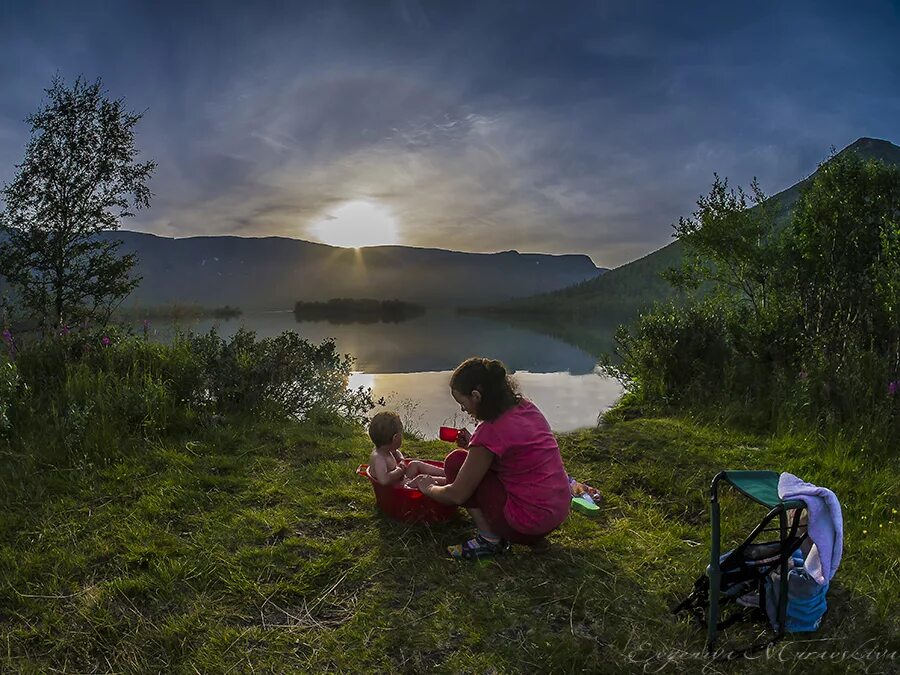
pixel 268 273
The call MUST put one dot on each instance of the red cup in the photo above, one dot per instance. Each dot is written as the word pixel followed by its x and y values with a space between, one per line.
pixel 448 434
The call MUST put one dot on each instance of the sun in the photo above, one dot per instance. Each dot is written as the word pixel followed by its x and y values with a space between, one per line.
pixel 356 224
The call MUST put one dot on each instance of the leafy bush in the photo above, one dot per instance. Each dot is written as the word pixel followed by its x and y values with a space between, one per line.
pixel 673 354
pixel 281 376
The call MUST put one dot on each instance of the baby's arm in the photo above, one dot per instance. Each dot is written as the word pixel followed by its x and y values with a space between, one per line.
pixel 382 474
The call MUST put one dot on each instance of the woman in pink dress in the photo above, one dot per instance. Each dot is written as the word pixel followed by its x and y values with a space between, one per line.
pixel 509 474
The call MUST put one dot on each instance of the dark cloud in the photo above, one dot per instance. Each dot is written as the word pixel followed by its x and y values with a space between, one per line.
pixel 560 127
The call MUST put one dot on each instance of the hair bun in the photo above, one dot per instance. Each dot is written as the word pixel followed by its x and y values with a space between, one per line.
pixel 495 368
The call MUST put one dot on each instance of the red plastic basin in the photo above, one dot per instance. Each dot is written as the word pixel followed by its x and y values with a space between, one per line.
pixel 407 505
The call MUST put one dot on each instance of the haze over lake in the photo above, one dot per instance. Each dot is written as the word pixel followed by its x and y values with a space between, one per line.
pixel 409 363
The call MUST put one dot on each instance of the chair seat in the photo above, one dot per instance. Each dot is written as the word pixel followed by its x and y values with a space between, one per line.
pixel 761 487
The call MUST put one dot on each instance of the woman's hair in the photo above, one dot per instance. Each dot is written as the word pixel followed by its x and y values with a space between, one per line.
pixel 498 391
pixel 383 427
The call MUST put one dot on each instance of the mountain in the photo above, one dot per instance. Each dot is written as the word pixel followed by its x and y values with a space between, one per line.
pixel 626 290
pixel 273 273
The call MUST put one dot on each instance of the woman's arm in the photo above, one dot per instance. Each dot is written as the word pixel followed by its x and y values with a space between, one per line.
pixel 477 463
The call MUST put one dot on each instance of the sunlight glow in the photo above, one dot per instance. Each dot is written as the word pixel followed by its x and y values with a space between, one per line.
pixel 357 223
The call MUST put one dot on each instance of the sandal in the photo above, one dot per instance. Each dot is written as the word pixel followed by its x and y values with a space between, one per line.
pixel 478 548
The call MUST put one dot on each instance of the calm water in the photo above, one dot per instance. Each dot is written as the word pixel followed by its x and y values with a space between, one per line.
pixel 409 363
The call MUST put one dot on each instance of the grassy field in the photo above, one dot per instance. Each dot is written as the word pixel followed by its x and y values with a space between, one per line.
pixel 254 548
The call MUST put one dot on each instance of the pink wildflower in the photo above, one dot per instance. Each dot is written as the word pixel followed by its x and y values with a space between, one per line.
pixel 9 342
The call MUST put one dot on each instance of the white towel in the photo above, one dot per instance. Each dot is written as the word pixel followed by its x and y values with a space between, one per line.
pixel 826 525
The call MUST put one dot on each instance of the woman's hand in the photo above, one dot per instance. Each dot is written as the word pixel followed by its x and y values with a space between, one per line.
pixel 424 482
pixel 463 438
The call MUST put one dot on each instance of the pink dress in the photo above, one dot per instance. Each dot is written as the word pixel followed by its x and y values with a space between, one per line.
pixel 529 466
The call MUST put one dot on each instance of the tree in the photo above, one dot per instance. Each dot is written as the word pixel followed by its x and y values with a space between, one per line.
pixel 845 245
pixel 730 247
pixel 78 179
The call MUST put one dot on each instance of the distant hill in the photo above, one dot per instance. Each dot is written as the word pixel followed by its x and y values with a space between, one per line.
pixel 273 273
pixel 625 290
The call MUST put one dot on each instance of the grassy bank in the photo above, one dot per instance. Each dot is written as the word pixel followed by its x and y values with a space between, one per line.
pixel 252 547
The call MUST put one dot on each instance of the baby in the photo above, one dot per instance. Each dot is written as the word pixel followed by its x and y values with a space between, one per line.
pixel 386 463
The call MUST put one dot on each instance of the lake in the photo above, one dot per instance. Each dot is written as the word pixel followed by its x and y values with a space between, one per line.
pixel 409 363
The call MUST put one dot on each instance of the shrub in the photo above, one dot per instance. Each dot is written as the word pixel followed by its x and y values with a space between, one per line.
pixel 94 392
pixel 279 376
pixel 673 354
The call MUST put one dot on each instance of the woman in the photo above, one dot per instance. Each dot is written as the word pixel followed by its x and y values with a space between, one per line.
pixel 511 477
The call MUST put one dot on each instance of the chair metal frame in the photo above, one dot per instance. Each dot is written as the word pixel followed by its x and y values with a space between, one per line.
pixel 777 510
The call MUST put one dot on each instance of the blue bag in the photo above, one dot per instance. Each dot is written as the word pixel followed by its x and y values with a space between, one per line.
pixel 806 599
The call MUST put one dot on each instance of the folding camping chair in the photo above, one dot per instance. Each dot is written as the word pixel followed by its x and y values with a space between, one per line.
pixel 748 565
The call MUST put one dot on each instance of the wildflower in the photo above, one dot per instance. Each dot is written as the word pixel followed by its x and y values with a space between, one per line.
pixel 802 375
pixel 865 532
pixel 9 342
pixel 106 341
pixel 146 327
pixel 893 387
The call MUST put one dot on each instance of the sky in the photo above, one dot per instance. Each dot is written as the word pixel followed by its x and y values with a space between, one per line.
pixel 558 127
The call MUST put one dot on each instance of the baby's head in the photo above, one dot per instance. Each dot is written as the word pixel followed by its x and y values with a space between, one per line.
pixel 386 430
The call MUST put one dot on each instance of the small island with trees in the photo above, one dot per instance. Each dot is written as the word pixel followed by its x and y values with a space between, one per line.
pixel 357 310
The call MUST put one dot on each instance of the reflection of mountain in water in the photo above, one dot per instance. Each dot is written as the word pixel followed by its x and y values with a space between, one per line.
pixel 594 335
pixel 437 341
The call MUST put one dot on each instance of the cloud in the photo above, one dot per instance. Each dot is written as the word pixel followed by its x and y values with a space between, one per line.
pixel 582 127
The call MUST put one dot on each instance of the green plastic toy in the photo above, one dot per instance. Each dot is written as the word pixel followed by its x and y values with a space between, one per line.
pixel 584 497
